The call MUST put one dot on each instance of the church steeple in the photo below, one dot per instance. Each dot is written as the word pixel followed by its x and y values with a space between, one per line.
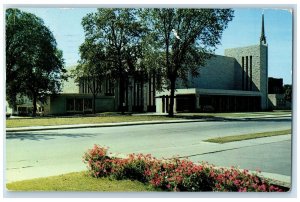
pixel 263 39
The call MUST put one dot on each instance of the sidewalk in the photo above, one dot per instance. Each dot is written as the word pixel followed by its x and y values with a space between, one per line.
pixel 187 120
pixel 57 127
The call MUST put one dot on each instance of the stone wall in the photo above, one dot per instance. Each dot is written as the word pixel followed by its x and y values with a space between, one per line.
pixel 246 52
pixel 259 76
pixel 264 76
pixel 218 73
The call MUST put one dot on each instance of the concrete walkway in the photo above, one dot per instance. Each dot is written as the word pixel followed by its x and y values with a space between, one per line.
pixel 73 126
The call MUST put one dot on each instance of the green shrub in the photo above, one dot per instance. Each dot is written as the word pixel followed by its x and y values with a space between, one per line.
pixel 174 175
pixel 131 168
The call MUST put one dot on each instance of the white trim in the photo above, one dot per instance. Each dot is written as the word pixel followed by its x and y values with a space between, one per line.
pixel 202 91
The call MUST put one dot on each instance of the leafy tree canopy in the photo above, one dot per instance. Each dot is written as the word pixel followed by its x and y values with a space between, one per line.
pixel 113 44
pixel 288 92
pixel 34 65
pixel 183 39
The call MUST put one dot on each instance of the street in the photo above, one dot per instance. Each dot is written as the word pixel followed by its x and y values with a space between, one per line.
pixel 45 153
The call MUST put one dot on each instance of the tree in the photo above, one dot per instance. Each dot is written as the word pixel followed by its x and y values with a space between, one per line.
pixel 119 32
pixel 288 92
pixel 34 65
pixel 185 39
pixel 92 68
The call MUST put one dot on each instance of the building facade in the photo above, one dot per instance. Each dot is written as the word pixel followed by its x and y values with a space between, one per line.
pixel 77 98
pixel 237 81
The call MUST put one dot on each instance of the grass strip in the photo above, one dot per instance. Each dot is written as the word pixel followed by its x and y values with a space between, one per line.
pixel 109 118
pixel 235 114
pixel 78 181
pixel 234 138
pixel 50 121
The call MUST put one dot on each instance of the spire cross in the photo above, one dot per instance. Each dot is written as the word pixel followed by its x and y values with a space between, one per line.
pixel 263 39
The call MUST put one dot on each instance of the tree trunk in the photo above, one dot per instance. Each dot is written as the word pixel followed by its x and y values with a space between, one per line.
pixel 34 106
pixel 171 107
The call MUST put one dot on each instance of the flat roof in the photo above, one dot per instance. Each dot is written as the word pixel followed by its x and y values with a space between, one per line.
pixel 227 92
pixel 202 91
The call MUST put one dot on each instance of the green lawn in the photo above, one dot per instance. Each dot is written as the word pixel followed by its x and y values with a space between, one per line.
pixel 78 181
pixel 236 114
pixel 233 138
pixel 112 118
pixel 11 123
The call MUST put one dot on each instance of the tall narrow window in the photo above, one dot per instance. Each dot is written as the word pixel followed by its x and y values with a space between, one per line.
pixel 251 73
pixel 134 93
pixel 247 74
pixel 86 85
pixel 82 85
pixel 138 94
pixel 99 86
pixel 109 87
pixel 153 89
pixel 106 86
pixel 150 83
pixel 89 86
pixel 243 72
pixel 142 94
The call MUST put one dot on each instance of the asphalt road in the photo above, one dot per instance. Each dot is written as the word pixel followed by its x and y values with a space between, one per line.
pixel 46 153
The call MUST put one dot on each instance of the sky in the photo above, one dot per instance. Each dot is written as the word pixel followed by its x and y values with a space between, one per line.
pixel 243 30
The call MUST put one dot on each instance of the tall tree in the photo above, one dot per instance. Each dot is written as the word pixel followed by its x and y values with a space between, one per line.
pixel 34 65
pixel 92 69
pixel 185 38
pixel 119 32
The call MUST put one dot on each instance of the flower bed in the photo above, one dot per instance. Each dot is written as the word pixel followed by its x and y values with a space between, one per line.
pixel 175 174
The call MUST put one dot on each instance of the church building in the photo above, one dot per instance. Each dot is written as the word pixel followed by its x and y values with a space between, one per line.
pixel 235 82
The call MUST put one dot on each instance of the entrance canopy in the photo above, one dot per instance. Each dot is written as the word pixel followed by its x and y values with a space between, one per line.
pixel 214 100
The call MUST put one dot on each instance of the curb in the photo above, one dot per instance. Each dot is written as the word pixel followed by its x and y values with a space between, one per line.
pixel 41 128
pixel 281 184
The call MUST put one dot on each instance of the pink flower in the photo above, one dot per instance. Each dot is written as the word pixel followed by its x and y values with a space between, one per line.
pixel 243 189
pixel 262 187
pixel 236 182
